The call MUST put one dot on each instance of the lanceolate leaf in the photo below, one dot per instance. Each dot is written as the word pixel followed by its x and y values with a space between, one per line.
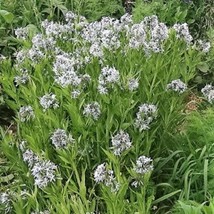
pixel 7 16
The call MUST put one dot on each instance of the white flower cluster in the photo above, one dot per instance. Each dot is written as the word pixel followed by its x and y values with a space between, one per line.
pixel 40 42
pixel 177 85
pixel 56 30
pixel 110 39
pixel 137 183
pixel 75 93
pixel 133 84
pixel 159 32
pixel 120 142
pixel 81 56
pixel 75 21
pixel 29 157
pixel 64 70
pixel 24 194
pixel 137 35
pixel 149 34
pixel 146 114
pixel 53 32
pixel 208 92
pixel 92 110
pixel 70 17
pixel 22 145
pixel 5 200
pixel 49 101
pixel 96 37
pixel 102 34
pixel 126 21
pixel 204 46
pixel 103 175
pixel 96 50
pixel 22 79
pixel 100 173
pixel 108 77
pixel 143 165
pixel 182 31
pixel 86 78
pixel 35 55
pixel 21 33
pixel 43 171
pixel 60 139
pixel 26 113
pixel 106 34
pixel 21 56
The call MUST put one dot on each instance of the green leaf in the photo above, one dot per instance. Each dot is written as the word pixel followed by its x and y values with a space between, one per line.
pixel 64 159
pixel 205 177
pixel 198 79
pixel 8 17
pixel 203 67
pixel 191 21
pixel 46 10
pixel 32 30
pixel 166 196
pixel 110 156
pixel 62 8
pixel 7 178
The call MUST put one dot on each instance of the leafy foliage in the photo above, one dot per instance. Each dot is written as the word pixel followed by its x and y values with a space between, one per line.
pixel 121 85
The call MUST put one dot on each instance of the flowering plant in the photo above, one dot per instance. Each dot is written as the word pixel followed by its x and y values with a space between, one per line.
pixel 94 102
